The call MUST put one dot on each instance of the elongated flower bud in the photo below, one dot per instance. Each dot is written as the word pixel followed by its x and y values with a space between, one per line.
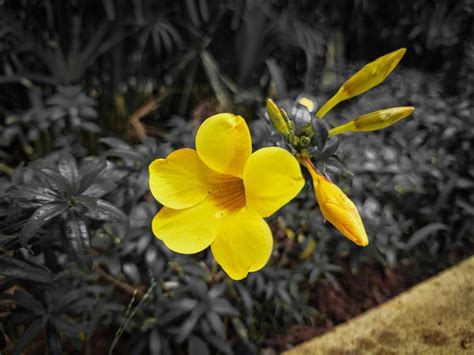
pixel 365 79
pixel 373 121
pixel 337 208
pixel 278 118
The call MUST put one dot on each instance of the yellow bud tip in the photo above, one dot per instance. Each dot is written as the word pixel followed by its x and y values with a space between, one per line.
pixel 365 79
pixel 337 208
pixel 373 121
pixel 277 117
pixel 307 102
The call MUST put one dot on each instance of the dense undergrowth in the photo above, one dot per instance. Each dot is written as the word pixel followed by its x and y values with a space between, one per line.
pixel 88 101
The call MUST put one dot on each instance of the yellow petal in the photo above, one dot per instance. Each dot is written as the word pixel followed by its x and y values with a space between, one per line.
pixel 181 180
pixel 223 143
pixel 272 178
pixel 373 121
pixel 338 209
pixel 365 79
pixel 244 244
pixel 189 230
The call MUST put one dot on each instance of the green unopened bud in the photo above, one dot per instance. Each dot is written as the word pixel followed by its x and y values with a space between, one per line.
pixel 373 121
pixel 278 118
pixel 304 141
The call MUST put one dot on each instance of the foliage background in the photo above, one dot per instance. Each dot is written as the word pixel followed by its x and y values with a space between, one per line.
pixel 92 91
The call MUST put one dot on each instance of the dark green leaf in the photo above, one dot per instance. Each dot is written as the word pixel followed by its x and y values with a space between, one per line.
pixel 155 342
pixel 30 333
pixel 54 341
pixel 69 299
pixel 90 203
pixel 217 290
pixel 423 233
pixel 320 134
pixel 277 77
pixel 55 180
pixel 197 346
pixel 128 154
pixel 27 301
pixel 68 168
pixel 246 298
pixel 329 150
pixel 220 344
pixel 21 270
pixel 190 323
pixel 100 189
pixel 8 240
pixel 115 143
pixel 41 216
pixel 38 194
pixel 193 13
pixel 89 171
pixel 78 242
pixel 223 307
pixel 70 329
pixel 106 211
pixel 216 323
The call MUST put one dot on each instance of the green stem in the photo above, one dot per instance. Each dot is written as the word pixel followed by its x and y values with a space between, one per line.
pixel 333 101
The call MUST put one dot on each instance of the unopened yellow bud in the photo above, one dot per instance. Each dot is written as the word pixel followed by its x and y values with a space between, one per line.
pixel 308 250
pixel 278 118
pixel 307 101
pixel 337 208
pixel 365 79
pixel 373 121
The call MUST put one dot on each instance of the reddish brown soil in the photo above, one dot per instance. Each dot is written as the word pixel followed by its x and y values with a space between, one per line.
pixel 372 285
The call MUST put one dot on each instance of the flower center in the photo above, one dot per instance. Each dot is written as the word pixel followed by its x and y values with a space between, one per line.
pixel 228 193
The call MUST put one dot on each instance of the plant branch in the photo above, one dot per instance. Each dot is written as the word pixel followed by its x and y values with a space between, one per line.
pixel 123 286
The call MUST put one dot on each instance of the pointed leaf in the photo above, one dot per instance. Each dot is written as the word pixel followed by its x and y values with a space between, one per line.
pixel 30 333
pixel 41 216
pixel 27 301
pixel 78 242
pixel 54 341
pixel 21 270
pixel 67 166
pixel 197 346
pixel 38 194
pixel 190 323
pixel 115 143
pixel 106 211
pixel 55 180
pixel 216 323
pixel 100 189
pixel 155 342
pixel 423 233
pixel 223 307
pixel 89 171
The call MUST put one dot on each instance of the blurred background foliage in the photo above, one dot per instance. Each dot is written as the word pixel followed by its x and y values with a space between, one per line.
pixel 92 91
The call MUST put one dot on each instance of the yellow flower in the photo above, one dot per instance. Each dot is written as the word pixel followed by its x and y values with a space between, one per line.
pixel 365 79
pixel 374 120
pixel 337 208
pixel 218 194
